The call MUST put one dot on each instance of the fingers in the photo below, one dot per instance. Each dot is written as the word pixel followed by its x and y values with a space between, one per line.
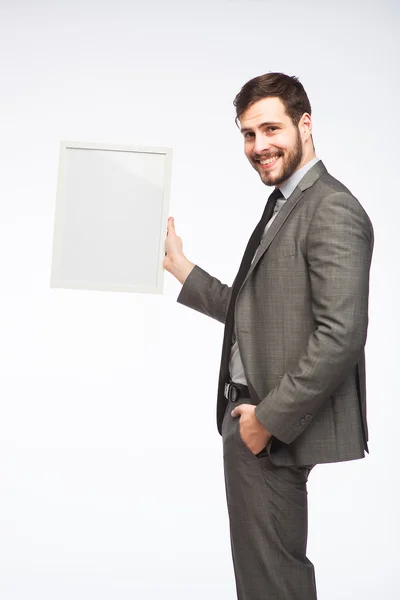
pixel 170 228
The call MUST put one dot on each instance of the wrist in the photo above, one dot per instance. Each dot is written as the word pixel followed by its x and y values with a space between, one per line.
pixel 181 267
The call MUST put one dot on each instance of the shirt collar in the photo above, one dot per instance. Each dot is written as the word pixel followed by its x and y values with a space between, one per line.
pixel 288 186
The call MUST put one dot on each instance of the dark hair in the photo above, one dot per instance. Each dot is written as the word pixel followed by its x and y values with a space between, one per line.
pixel 285 87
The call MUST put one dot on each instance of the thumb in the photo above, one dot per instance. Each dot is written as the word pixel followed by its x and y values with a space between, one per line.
pixel 237 411
pixel 171 225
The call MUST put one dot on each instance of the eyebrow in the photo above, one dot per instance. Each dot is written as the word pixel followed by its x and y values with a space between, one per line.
pixel 267 124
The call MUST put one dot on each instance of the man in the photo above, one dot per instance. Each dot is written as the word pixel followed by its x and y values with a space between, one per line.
pixel 292 380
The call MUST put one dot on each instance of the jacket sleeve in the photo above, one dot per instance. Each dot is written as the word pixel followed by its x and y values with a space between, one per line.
pixel 206 294
pixel 339 251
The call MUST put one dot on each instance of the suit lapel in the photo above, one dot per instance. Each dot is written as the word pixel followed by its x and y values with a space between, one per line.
pixel 307 181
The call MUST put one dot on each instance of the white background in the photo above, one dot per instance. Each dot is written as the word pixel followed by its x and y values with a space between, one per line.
pixel 111 481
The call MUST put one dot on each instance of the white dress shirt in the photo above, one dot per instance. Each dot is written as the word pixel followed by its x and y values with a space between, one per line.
pixel 287 188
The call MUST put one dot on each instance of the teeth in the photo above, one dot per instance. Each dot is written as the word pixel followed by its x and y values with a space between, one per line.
pixel 268 160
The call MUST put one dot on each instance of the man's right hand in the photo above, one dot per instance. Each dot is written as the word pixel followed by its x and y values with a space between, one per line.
pixel 175 262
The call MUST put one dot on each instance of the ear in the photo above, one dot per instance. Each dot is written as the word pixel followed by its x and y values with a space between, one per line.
pixel 305 126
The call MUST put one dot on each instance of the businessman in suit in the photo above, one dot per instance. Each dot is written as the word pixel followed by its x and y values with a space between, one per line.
pixel 291 390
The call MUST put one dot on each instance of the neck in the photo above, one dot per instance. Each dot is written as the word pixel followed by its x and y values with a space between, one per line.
pixel 306 159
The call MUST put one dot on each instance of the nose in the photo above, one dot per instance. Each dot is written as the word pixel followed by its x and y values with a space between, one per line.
pixel 261 144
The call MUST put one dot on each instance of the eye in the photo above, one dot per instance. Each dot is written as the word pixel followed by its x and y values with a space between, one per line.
pixel 272 127
pixel 248 134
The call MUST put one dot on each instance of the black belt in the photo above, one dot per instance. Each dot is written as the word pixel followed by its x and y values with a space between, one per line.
pixel 233 391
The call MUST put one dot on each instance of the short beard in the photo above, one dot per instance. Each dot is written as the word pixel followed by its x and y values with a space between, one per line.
pixel 290 164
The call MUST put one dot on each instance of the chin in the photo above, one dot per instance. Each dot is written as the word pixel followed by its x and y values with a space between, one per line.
pixel 270 179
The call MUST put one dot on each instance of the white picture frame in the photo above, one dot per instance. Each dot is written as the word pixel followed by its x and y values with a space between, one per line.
pixel 111 217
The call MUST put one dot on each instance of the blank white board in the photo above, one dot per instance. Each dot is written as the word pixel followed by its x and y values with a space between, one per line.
pixel 111 217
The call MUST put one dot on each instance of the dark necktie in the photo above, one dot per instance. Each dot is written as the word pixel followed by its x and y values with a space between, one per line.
pixel 247 259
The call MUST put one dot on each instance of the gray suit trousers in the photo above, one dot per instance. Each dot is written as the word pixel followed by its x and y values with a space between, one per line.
pixel 267 506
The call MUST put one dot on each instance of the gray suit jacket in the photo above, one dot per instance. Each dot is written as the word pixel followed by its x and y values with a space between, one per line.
pixel 301 319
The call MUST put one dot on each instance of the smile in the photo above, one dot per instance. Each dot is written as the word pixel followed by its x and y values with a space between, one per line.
pixel 269 162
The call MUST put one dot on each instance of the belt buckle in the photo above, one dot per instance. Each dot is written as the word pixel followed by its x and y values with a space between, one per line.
pixel 231 392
